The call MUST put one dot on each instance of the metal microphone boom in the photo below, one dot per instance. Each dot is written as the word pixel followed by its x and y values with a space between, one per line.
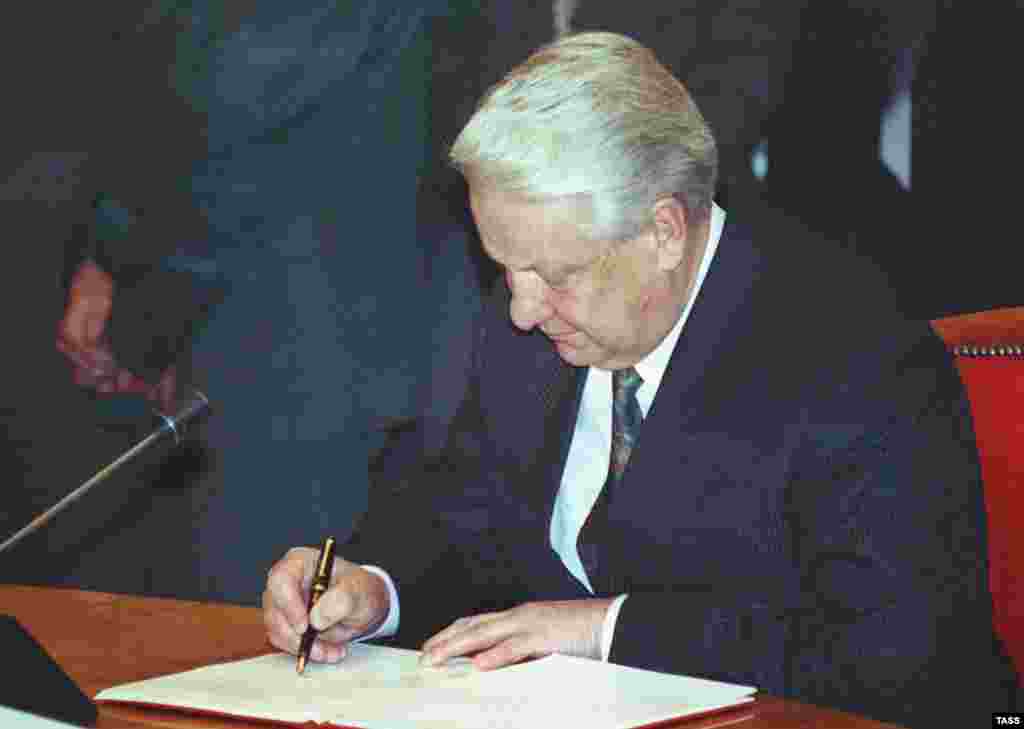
pixel 171 425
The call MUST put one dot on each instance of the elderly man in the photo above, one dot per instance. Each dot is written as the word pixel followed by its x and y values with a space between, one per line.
pixel 698 450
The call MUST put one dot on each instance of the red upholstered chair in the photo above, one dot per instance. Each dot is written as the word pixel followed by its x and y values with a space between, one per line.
pixel 988 348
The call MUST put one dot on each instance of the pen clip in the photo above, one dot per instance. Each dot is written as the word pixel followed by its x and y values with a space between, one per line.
pixel 325 564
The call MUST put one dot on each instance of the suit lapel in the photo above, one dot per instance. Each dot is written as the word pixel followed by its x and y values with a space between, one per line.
pixel 687 391
pixel 560 401
pixel 537 421
pixel 714 325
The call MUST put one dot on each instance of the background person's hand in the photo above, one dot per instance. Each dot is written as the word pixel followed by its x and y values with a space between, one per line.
pixel 356 603
pixel 81 338
pixel 530 630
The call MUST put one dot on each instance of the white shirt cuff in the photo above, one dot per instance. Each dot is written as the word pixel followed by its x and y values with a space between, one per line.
pixel 390 625
pixel 608 628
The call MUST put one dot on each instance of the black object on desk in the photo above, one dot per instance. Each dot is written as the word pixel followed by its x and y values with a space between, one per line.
pixel 35 682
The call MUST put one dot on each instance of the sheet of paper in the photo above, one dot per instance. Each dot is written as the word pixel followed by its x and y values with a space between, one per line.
pixel 378 687
pixel 269 688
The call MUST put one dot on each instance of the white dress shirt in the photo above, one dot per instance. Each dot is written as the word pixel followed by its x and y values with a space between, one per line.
pixel 586 466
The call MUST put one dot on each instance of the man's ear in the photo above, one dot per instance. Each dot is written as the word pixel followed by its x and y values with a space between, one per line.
pixel 671 231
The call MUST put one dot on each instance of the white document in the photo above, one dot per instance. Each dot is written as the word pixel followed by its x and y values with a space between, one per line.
pixel 377 687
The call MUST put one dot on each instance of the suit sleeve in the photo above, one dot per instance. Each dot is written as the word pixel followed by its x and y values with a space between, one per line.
pixel 423 503
pixel 887 602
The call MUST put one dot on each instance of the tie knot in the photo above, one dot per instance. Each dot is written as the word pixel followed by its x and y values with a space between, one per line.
pixel 625 383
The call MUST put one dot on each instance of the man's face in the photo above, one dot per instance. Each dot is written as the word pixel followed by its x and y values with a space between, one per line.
pixel 604 304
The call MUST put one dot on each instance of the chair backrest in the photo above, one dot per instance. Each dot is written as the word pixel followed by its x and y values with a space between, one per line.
pixel 988 348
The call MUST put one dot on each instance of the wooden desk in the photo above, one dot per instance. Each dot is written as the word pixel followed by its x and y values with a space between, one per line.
pixel 102 640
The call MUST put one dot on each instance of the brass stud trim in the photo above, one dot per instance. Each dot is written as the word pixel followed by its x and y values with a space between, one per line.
pixel 998 350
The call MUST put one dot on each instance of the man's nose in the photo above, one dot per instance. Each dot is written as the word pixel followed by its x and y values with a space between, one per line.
pixel 529 306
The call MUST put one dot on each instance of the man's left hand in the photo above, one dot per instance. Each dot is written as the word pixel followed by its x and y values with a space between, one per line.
pixel 531 630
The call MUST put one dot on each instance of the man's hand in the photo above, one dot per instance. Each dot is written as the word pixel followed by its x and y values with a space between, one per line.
pixel 80 336
pixel 531 630
pixel 355 604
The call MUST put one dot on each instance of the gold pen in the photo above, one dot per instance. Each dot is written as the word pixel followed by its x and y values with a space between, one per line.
pixel 321 581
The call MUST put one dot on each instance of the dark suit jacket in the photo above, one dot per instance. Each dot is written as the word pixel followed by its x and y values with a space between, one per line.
pixel 803 511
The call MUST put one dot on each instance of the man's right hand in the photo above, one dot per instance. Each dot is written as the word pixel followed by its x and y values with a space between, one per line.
pixel 355 604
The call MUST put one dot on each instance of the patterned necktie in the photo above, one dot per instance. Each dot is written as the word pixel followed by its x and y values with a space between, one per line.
pixel 626 420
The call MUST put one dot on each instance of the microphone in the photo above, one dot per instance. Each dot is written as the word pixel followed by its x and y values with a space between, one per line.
pixel 171 426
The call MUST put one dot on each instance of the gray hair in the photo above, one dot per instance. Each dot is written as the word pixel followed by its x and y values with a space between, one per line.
pixel 596 115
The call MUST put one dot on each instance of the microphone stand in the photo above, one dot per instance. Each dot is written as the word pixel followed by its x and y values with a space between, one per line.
pixel 197 406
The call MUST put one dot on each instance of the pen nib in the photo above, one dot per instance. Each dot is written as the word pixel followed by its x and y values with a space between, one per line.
pixel 301 667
